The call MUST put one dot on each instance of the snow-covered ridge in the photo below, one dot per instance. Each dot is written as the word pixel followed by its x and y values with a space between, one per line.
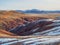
pixel 31 41
pixel 52 31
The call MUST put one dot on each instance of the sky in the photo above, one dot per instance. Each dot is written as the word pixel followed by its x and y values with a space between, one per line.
pixel 29 4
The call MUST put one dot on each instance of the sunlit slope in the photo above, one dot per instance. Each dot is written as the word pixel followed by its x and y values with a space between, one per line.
pixel 8 18
pixel 14 18
pixel 6 33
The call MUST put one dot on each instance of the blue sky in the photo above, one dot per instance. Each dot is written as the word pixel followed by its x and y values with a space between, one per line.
pixel 29 4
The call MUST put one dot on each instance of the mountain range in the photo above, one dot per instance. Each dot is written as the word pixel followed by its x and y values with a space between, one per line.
pixel 37 11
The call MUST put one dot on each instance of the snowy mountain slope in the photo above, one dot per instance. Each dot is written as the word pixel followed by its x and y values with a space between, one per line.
pixel 52 31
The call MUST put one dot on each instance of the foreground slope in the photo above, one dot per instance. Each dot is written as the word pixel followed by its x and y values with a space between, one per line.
pixel 31 40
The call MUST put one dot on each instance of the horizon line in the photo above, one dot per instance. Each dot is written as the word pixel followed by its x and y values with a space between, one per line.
pixel 26 9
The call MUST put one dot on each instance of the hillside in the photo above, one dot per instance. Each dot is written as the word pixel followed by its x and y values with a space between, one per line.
pixel 8 18
pixel 12 19
pixel 29 29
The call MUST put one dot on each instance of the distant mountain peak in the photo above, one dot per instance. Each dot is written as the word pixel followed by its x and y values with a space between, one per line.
pixel 37 11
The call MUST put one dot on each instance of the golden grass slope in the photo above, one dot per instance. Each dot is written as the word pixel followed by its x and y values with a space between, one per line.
pixel 6 33
pixel 8 18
